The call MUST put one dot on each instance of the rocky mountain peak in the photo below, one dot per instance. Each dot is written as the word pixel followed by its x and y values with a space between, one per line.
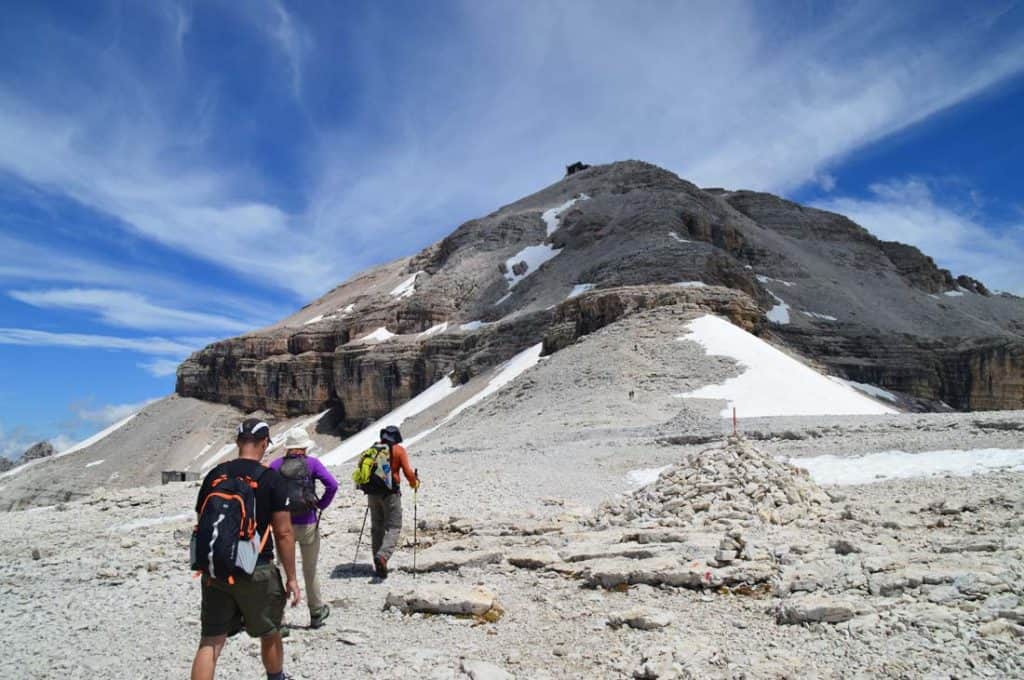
pixel 869 310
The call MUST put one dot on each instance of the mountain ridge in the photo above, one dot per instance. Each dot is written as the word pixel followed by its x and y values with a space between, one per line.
pixel 869 310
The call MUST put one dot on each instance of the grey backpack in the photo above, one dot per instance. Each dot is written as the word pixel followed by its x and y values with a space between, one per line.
pixel 301 484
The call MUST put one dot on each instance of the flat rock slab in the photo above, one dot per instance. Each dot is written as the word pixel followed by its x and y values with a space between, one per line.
pixel 533 558
pixel 815 608
pixel 593 551
pixel 657 571
pixel 484 670
pixel 641 618
pixel 441 559
pixel 440 598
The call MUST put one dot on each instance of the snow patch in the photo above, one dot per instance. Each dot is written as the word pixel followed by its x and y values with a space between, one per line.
pixel 406 288
pixel 815 315
pixel 366 437
pixel 506 373
pixel 954 293
pixel 677 237
pixel 767 279
pixel 645 476
pixel 197 456
pixel 348 309
pixel 533 256
pixel 504 297
pixel 552 217
pixel 434 330
pixel 580 289
pixel 382 334
pixel 473 325
pixel 220 453
pixel 95 463
pixel 779 313
pixel 690 284
pixel 772 383
pixel 277 438
pixel 876 467
pixel 318 317
pixel 873 390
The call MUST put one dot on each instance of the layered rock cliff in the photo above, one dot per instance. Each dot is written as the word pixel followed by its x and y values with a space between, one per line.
pixel 605 242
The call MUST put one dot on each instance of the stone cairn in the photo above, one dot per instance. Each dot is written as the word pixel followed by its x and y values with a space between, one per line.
pixel 731 483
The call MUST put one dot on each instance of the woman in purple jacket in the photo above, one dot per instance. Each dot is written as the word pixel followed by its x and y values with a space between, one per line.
pixel 306 515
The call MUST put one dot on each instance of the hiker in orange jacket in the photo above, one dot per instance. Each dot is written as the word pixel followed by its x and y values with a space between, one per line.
pixel 386 507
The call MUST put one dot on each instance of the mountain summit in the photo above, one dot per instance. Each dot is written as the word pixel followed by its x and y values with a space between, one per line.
pixel 609 240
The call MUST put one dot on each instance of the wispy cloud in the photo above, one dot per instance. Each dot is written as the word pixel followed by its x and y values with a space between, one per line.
pixel 131 310
pixel 159 368
pixel 86 418
pixel 23 262
pixel 458 121
pixel 911 210
pixel 719 93
pixel 14 442
pixel 293 41
pixel 30 337
pixel 106 414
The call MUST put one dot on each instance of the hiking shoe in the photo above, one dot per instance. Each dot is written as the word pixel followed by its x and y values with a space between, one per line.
pixel 380 566
pixel 316 620
pixel 285 631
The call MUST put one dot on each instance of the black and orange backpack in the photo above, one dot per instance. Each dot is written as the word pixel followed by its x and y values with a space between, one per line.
pixel 225 540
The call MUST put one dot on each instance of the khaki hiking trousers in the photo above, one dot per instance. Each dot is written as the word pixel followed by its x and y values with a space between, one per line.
pixel 385 523
pixel 308 538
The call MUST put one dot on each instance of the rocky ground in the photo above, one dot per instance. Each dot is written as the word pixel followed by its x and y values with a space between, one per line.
pixel 540 558
pixel 730 565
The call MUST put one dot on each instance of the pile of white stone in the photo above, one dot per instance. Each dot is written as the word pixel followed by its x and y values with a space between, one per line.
pixel 728 484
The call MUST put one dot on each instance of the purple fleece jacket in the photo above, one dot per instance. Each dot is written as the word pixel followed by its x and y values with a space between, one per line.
pixel 319 471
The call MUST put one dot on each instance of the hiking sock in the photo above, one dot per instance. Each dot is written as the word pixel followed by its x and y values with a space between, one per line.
pixel 276 676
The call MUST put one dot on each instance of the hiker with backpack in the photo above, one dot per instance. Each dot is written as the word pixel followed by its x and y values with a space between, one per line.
pixel 240 504
pixel 378 475
pixel 301 473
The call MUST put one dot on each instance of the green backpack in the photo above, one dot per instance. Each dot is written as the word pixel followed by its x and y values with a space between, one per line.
pixel 373 470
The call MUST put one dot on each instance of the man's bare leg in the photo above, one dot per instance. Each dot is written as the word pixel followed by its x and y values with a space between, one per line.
pixel 272 651
pixel 205 663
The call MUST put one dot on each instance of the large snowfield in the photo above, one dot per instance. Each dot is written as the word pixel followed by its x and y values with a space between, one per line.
pixel 773 383
pixel 876 467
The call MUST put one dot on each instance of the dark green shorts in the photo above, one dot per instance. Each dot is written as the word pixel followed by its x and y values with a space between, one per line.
pixel 255 603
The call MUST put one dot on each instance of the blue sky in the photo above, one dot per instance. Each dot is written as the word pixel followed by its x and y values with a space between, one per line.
pixel 174 172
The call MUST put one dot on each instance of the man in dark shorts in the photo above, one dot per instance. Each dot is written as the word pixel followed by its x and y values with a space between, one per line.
pixel 254 603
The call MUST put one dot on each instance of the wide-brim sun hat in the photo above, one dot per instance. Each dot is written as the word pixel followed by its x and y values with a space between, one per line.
pixel 298 438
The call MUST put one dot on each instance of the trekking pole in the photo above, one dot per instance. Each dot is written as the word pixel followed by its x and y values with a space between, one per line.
pixel 355 557
pixel 415 523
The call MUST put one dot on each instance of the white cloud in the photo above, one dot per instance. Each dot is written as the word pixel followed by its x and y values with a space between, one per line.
pixel 717 93
pixel 160 368
pixel 826 181
pixel 62 442
pixel 908 210
pixel 29 337
pixel 107 414
pixel 457 122
pixel 21 261
pixel 131 310
pixel 293 41
pixel 15 442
